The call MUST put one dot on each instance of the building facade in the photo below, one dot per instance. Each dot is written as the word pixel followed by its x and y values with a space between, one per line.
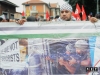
pixel 39 8
pixel 54 9
pixel 7 8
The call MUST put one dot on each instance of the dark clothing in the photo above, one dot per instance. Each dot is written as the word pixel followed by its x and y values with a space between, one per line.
pixel 31 19
pixel 82 69
pixel 1 19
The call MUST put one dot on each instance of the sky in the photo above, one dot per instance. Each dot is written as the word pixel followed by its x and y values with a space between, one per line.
pixel 20 8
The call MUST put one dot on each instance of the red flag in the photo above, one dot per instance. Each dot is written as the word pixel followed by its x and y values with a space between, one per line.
pixel 83 14
pixel 23 14
pixel 77 12
pixel 74 15
pixel 47 16
pixel 78 17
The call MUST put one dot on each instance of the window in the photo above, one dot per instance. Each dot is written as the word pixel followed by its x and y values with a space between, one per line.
pixel 12 16
pixel 33 7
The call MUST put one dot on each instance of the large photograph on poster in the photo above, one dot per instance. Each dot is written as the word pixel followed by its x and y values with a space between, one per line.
pixel 45 56
pixel 69 56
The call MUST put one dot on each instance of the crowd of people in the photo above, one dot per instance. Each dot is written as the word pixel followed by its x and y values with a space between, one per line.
pixel 65 15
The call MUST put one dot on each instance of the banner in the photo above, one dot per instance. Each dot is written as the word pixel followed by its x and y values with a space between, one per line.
pixel 10 52
pixel 50 48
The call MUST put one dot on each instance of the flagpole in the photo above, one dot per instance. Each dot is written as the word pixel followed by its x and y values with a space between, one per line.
pixel 97 6
pixel 24 10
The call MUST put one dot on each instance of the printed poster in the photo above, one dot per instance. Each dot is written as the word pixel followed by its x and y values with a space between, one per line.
pixel 49 48
pixel 45 56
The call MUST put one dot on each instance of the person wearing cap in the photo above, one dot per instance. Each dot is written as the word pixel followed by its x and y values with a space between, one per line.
pixel 70 50
pixel 82 48
pixel 66 14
